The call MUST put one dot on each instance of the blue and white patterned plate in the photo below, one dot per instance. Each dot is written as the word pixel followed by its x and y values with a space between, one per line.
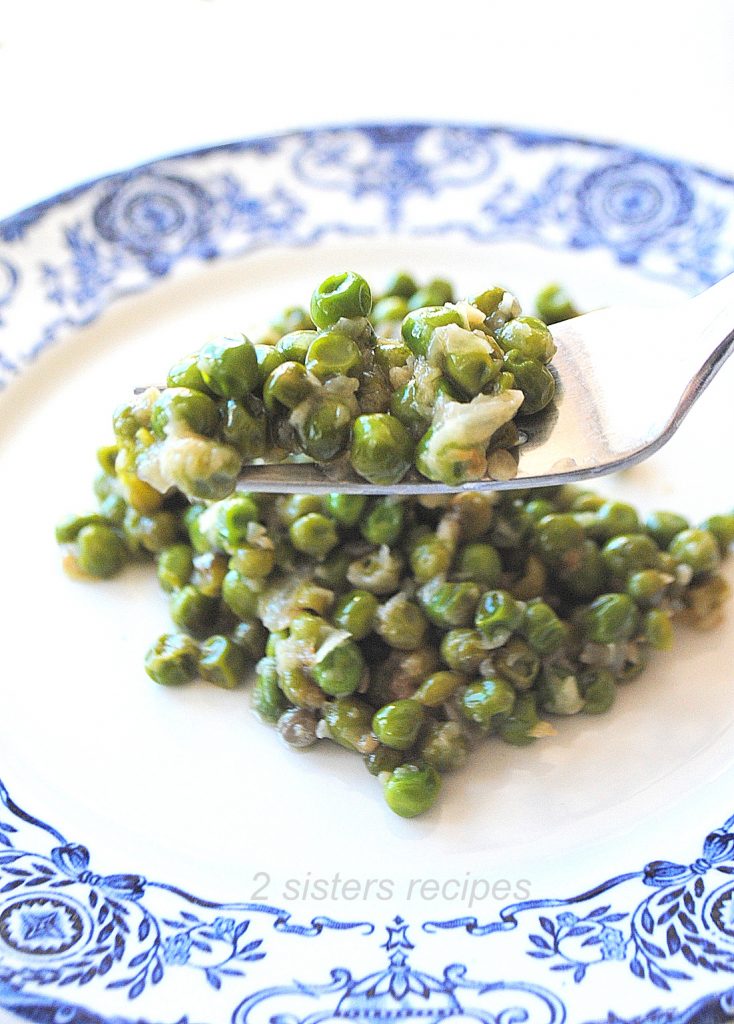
pixel 162 858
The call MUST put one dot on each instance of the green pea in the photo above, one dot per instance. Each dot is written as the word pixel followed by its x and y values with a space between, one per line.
pixel 429 557
pixel 299 689
pixel 418 327
pixel 313 534
pixel 463 649
pixel 268 357
pixel 390 353
pixel 186 374
pixel 435 293
pixel 333 352
pixel 450 604
pixel 663 526
pixel 383 523
pixel 517 727
pixel 348 721
pixel 325 430
pixel 471 369
pixel 233 518
pixel 294 345
pixel 481 563
pixel 614 518
pixel 150 533
pixel 382 449
pixel 518 662
pixel 598 689
pixel 229 367
pixel 401 284
pixel 195 410
pixel 287 386
pixel 340 672
pixel 390 309
pixel 556 535
pixel 69 528
pixel 383 759
pixel 722 527
pixel 611 618
pixel 411 790
pixel 290 507
pixel 341 295
pixel 397 725
pixel 658 629
pixel 554 304
pixel 172 660
pixel 474 511
pixel 175 565
pixel 245 431
pixel 310 628
pixel 251 637
pixel 498 616
pixel 542 628
pixel 583 571
pixel 355 611
pixel 100 551
pixel 222 662
pixel 268 700
pixel 697 548
pixel 240 593
pixel 347 509
pixel 444 747
pixel 253 560
pixel 401 623
pixel 439 687
pixel 586 501
pixel 647 585
pixel 534 380
pixel 293 318
pixel 528 336
pixel 193 611
pixel 484 699
pixel 630 553
pixel 407 405
pixel 558 690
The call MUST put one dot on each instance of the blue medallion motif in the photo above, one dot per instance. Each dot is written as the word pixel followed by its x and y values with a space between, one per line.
pixel 157 217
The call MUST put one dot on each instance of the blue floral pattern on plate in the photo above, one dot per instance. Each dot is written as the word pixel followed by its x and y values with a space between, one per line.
pixel 80 946
pixel 115 939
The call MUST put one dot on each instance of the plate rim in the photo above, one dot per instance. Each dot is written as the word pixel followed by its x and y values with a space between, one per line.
pixel 68 861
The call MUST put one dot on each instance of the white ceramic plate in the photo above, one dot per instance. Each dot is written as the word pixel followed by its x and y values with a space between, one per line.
pixel 160 850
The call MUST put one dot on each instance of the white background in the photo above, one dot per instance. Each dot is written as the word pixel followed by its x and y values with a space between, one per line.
pixel 92 86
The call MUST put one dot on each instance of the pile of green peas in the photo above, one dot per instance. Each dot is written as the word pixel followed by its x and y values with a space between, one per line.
pixel 375 386
pixel 406 630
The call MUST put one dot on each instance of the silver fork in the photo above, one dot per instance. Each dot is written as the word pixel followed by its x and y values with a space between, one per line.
pixel 627 376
